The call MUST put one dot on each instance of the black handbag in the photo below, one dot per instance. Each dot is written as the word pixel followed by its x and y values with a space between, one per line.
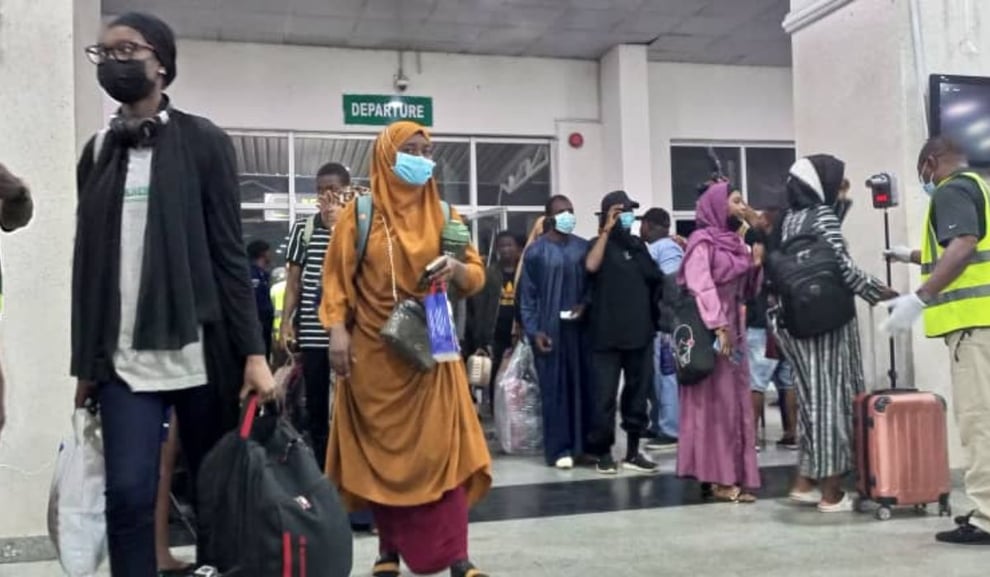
pixel 405 330
pixel 692 341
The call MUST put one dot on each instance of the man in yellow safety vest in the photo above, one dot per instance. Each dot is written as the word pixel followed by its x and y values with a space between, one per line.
pixel 277 292
pixel 955 301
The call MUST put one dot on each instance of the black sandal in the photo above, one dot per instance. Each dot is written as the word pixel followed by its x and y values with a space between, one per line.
pixel 466 569
pixel 387 565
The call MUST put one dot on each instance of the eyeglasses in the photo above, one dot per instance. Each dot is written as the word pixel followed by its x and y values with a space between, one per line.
pixel 122 52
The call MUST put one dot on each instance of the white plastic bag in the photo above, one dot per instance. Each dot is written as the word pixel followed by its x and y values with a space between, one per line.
pixel 76 507
pixel 518 409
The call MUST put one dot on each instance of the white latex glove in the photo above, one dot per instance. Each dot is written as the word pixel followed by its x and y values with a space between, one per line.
pixel 904 311
pixel 899 254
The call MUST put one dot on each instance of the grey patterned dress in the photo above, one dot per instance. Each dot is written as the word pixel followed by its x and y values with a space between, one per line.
pixel 828 369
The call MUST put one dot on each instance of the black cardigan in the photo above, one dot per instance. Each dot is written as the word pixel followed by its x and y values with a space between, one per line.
pixel 229 319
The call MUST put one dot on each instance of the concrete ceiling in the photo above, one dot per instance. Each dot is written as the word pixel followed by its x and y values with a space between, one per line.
pixel 744 32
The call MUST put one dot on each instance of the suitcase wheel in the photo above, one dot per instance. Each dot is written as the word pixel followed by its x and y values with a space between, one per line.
pixel 884 514
pixel 921 509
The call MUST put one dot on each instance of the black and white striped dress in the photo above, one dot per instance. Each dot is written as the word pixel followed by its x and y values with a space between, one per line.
pixel 828 369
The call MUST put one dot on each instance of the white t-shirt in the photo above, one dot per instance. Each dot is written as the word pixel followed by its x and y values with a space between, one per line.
pixel 146 371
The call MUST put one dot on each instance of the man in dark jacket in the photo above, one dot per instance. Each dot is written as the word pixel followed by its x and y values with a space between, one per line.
pixel 624 319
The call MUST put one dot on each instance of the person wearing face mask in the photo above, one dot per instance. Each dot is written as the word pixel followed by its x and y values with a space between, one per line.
pixel 624 319
pixel 404 441
pixel 955 301
pixel 163 312
pixel 828 368
pixel 717 436
pixel 552 299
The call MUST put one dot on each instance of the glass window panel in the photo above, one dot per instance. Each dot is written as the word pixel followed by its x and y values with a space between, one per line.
pixel 684 227
pixel 766 176
pixel 691 166
pixel 271 226
pixel 488 227
pixel 513 174
pixel 263 167
pixel 453 171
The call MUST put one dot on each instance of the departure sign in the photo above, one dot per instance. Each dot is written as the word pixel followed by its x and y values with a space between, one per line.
pixel 384 109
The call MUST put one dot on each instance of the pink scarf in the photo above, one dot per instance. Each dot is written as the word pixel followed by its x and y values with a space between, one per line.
pixel 730 256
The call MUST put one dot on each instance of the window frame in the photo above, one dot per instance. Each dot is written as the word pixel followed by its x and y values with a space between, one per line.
pixel 742 145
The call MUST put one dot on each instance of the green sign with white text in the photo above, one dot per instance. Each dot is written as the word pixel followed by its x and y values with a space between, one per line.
pixel 383 109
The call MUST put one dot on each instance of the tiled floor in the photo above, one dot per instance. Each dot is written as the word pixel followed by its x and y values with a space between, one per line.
pixel 541 522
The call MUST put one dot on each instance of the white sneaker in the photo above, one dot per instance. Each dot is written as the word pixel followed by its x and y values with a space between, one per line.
pixel 565 463
pixel 812 497
pixel 846 505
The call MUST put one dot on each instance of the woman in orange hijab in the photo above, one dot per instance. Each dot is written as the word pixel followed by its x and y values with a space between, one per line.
pixel 405 442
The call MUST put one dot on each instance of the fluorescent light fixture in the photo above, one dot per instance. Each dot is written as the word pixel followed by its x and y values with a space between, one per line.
pixel 978 127
pixel 962 108
pixel 985 144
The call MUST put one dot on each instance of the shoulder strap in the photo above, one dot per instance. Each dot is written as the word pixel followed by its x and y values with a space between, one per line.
pixel 363 214
pixel 309 229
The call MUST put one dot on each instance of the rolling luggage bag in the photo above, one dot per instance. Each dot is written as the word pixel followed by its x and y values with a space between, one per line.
pixel 902 447
pixel 902 450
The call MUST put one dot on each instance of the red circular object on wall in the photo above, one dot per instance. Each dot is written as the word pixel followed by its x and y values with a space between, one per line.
pixel 576 140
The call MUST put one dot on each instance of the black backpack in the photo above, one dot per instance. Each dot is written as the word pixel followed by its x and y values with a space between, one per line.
pixel 693 342
pixel 805 275
pixel 265 508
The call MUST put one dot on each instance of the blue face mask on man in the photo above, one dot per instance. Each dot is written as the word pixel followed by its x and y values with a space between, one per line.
pixel 414 170
pixel 565 222
pixel 626 219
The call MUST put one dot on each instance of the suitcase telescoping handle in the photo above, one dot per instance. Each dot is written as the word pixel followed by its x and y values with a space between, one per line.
pixel 892 372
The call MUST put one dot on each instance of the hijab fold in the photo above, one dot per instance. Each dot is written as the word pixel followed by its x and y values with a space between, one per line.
pixel 413 213
pixel 814 181
pixel 730 257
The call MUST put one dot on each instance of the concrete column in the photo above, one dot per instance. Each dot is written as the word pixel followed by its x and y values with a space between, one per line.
pixel 625 118
pixel 39 56
pixel 860 74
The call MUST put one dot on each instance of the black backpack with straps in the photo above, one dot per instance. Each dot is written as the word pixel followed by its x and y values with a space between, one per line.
pixel 804 273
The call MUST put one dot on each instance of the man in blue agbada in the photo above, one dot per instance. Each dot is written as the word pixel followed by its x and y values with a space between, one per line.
pixel 552 301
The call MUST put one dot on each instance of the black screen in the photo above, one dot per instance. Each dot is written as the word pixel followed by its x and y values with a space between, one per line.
pixel 960 109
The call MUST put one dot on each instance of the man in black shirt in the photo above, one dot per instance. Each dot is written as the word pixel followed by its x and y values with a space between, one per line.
pixel 623 325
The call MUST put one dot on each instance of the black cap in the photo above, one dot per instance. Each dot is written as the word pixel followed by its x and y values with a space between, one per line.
pixel 657 216
pixel 616 198
pixel 158 34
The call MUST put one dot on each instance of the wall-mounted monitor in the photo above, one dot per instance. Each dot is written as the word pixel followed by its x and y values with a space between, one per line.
pixel 959 107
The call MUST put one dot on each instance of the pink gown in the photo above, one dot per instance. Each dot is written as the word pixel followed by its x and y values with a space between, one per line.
pixel 717 428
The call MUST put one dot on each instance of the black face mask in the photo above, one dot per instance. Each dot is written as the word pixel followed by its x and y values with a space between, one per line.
pixel 841 208
pixel 734 223
pixel 126 82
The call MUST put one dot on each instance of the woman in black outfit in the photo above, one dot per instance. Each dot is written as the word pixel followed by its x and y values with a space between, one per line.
pixel 162 308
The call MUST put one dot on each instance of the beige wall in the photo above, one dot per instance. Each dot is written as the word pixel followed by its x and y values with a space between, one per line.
pixel 39 143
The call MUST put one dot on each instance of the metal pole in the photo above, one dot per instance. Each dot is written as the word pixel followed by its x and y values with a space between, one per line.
pixel 892 373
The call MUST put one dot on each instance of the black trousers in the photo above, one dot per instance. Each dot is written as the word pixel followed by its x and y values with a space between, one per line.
pixel 609 366
pixel 316 371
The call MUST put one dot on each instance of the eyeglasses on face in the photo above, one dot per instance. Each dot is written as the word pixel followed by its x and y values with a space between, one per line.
pixel 120 52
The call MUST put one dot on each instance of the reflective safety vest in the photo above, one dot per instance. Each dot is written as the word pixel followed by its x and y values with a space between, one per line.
pixel 965 303
pixel 278 301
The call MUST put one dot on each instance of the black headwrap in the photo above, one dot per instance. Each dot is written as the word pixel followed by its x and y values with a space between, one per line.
pixel 815 180
pixel 158 34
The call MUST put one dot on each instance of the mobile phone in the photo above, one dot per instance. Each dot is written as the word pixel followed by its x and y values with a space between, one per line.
pixel 435 266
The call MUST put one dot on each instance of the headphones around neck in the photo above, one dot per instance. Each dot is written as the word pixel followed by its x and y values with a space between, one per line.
pixel 139 132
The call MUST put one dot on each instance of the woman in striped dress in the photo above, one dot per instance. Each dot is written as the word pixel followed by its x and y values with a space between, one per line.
pixel 828 368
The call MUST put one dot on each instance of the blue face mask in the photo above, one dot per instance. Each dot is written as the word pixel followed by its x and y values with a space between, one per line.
pixel 565 222
pixel 415 170
pixel 627 219
pixel 929 188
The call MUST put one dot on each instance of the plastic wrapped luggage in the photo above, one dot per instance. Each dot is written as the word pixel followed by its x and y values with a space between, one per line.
pixel 518 411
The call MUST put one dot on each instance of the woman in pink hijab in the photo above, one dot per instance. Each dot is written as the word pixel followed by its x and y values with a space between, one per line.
pixel 717 436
